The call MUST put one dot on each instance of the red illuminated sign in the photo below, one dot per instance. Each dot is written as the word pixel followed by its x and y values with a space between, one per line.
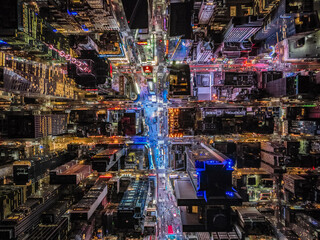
pixel 111 70
pixel 147 69
pixel 92 89
pixel 106 176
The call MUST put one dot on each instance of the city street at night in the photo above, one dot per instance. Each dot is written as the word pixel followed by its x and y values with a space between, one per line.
pixel 159 119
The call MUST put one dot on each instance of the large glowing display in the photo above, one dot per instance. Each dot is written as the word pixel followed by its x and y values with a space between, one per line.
pixel 82 66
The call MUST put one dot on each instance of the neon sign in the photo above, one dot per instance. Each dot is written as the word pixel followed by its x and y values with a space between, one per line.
pixel 82 66
pixel 147 69
pixel 142 43
pixel 273 51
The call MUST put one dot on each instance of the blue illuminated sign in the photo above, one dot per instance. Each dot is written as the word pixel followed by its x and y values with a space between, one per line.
pixel 72 13
pixel 230 194
pixel 84 28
